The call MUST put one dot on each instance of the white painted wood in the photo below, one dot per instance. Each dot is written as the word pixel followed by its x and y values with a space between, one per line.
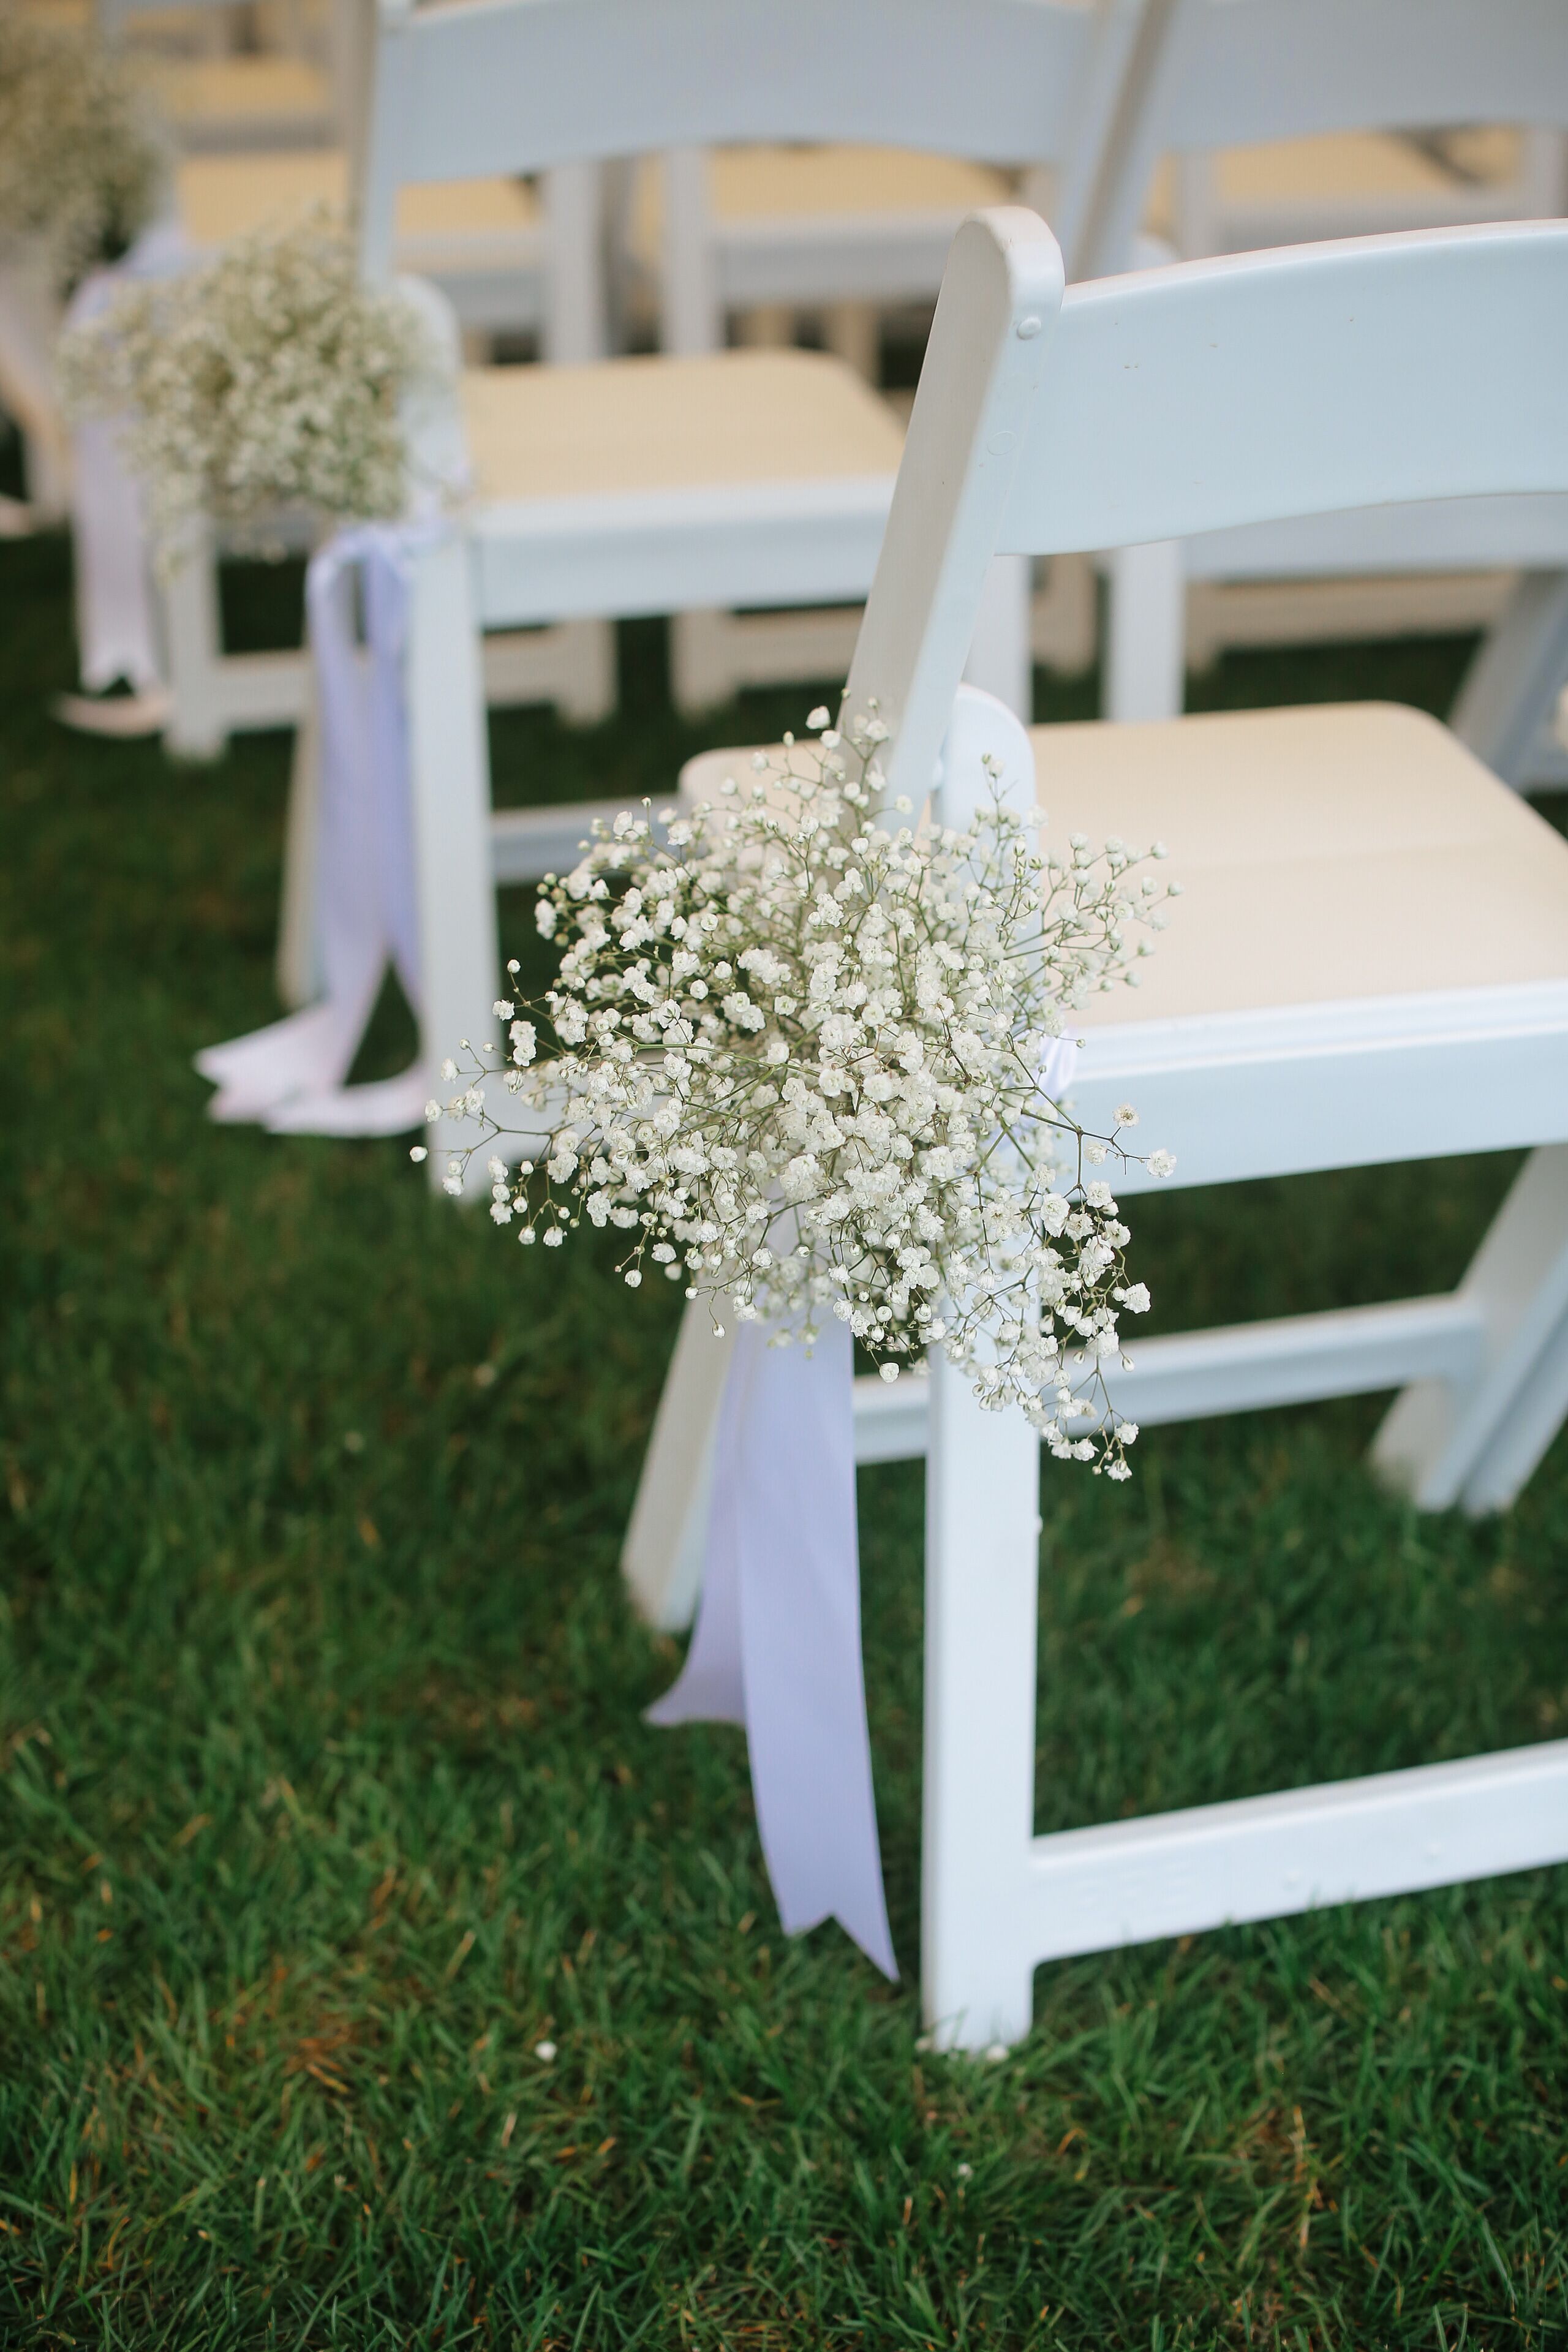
pixel 1224 73
pixel 1212 74
pixel 526 844
pixel 1234 1368
pixel 557 86
pixel 1001 655
pixel 1445 1440
pixel 788 542
pixel 1324 340
pixel 1513 683
pixel 1144 638
pixel 983 1524
pixel 711 652
pixel 995 319
pixel 571 664
pixel 1134 425
pixel 301 971
pixel 662 1557
pixel 449 783
pixel 192 639
pixel 1268 1857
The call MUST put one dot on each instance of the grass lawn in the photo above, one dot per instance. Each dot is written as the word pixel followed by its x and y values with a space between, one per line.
pixel 324 1795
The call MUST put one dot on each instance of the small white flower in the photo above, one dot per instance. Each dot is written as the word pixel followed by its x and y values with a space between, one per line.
pixel 417 1151
pixel 502 1009
pixel 544 2051
pixel 1125 1115
pixel 966 2172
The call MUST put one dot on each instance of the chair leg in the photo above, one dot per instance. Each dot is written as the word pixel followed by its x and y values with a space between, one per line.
pixel 983 1492
pixel 1145 644
pixel 1001 658
pixel 1476 1443
pixel 662 1558
pixel 299 967
pixel 193 638
pixel 459 957
pixel 1513 682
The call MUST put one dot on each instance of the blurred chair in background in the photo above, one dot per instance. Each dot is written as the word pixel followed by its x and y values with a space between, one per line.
pixel 1286 119
pixel 269 76
pixel 512 259
pixel 722 479
pixel 1370 964
pixel 758 242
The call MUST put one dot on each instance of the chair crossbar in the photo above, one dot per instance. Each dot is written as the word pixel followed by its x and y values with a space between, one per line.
pixel 1176 1873
pixel 528 843
pixel 1238 1368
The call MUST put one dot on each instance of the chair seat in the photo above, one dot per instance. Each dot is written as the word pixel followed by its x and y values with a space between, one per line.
pixel 751 189
pixel 231 95
pixel 224 196
pixel 625 427
pixel 1331 854
pixel 1344 181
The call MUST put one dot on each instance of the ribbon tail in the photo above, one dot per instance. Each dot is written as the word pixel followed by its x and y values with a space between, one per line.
pixel 290 1075
pixel 781 1619
pixel 379 1107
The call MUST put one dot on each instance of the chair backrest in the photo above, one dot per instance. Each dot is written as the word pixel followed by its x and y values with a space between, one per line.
pixel 480 86
pixel 1312 380
pixel 1206 74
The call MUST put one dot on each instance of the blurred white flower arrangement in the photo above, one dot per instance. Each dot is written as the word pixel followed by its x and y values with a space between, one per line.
pixel 795 1057
pixel 268 378
pixel 82 160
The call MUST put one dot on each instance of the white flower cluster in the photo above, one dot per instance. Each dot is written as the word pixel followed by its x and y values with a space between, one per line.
pixel 798 1051
pixel 82 161
pixel 268 378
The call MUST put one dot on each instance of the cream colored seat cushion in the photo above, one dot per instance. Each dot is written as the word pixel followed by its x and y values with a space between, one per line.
pixel 1343 851
pixel 627 425
pixel 223 196
pixel 237 92
pixel 750 185
pixel 1357 173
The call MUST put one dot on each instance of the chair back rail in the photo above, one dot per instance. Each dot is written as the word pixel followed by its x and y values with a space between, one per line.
pixel 1208 74
pixel 482 87
pixel 1374 372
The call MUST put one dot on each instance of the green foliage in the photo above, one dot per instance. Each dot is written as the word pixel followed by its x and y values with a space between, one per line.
pixel 324 1796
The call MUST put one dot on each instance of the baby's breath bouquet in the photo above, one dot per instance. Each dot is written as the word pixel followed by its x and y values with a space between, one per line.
pixel 268 378
pixel 796 1058
pixel 82 161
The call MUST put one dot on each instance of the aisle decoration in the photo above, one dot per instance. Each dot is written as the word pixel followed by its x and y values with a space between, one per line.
pixel 267 379
pixel 83 162
pixel 803 1060
pixel 809 1056
pixel 268 382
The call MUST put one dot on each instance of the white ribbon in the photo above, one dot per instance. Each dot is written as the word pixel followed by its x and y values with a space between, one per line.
pixel 116 628
pixel 289 1074
pixel 777 1644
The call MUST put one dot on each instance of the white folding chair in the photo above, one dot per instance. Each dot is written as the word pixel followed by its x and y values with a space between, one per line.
pixel 757 235
pixel 219 97
pixel 508 259
pixel 1252 74
pixel 660 485
pixel 1370 964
